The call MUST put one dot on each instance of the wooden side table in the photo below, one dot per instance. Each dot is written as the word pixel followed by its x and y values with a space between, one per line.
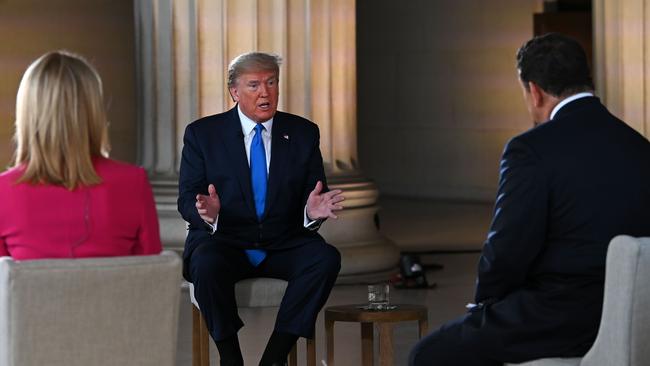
pixel 367 318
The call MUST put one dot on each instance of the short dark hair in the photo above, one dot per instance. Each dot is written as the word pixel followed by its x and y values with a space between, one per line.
pixel 556 63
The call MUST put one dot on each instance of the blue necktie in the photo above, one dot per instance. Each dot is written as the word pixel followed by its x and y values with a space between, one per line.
pixel 258 180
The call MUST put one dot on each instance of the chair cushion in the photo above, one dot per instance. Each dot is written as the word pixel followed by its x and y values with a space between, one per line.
pixel 549 362
pixel 254 292
pixel 260 292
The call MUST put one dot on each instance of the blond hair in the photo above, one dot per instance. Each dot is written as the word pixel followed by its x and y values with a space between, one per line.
pixel 60 121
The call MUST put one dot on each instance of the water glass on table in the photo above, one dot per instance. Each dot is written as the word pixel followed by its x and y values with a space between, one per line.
pixel 379 297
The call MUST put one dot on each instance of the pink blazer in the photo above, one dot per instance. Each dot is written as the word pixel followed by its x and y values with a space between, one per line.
pixel 114 218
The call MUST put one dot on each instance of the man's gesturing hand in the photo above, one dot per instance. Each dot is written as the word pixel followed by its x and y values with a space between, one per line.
pixel 322 206
pixel 209 206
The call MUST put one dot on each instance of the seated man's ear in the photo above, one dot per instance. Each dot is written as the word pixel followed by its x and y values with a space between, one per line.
pixel 233 94
pixel 537 94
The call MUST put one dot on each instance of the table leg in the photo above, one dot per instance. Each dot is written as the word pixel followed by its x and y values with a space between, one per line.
pixel 423 324
pixel 385 344
pixel 329 335
pixel 367 344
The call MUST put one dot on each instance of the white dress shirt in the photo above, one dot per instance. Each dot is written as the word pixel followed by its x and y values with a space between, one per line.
pixel 568 100
pixel 248 130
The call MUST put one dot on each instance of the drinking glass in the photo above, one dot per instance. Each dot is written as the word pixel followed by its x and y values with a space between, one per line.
pixel 378 296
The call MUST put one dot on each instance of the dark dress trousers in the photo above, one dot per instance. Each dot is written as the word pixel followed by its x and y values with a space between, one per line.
pixel 566 188
pixel 214 153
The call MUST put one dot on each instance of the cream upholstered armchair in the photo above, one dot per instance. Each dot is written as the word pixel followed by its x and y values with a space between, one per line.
pixel 99 311
pixel 625 323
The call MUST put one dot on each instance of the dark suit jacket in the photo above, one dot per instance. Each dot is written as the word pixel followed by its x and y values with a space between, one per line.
pixel 567 187
pixel 214 153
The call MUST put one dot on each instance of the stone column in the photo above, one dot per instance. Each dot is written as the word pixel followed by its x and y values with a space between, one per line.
pixel 167 89
pixel 621 46
pixel 184 47
pixel 334 107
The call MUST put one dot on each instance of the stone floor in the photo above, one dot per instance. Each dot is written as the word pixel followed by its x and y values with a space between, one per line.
pixel 453 231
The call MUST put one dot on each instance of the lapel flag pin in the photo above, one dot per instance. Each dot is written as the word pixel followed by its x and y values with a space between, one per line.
pixel 286 137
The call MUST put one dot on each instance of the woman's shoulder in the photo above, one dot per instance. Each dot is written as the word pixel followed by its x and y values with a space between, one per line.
pixel 11 175
pixel 114 170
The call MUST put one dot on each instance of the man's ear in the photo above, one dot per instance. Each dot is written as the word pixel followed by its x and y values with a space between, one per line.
pixel 233 94
pixel 537 94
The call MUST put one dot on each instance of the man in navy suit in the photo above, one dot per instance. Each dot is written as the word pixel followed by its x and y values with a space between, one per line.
pixel 567 187
pixel 253 190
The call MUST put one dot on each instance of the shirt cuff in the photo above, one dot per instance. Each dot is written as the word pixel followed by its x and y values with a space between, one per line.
pixel 212 227
pixel 311 224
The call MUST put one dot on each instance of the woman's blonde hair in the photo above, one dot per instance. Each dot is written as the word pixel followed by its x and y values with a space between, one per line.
pixel 60 121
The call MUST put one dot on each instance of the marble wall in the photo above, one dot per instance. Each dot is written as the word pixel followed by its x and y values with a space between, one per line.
pixel 438 93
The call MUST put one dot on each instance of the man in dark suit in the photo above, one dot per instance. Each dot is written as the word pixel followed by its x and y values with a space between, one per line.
pixel 253 190
pixel 567 187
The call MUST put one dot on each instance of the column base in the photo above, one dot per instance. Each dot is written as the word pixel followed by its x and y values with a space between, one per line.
pixel 366 255
pixel 173 229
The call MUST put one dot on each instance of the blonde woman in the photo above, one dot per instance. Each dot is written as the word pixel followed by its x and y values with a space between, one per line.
pixel 63 198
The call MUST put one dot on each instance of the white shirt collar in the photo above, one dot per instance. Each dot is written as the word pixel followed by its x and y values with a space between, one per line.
pixel 247 124
pixel 568 100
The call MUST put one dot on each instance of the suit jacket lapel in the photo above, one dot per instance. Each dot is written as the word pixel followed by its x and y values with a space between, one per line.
pixel 280 140
pixel 234 142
